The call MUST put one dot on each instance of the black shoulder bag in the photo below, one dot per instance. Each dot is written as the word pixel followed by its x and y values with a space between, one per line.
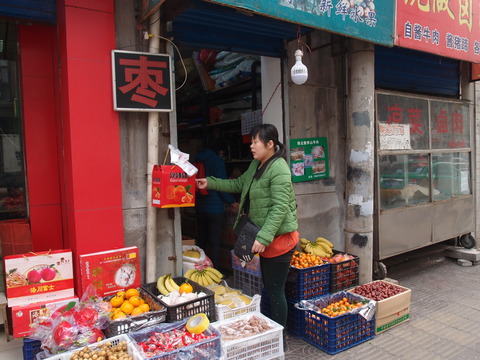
pixel 246 232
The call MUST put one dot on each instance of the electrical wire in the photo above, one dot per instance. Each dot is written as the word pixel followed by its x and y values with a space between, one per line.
pixel 181 60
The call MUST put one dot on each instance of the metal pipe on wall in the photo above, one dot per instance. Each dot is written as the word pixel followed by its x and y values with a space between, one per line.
pixel 152 159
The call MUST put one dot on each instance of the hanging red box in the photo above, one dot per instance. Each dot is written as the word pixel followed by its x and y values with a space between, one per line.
pixel 172 187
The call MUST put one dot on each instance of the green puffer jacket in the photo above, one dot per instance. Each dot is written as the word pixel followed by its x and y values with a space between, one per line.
pixel 272 200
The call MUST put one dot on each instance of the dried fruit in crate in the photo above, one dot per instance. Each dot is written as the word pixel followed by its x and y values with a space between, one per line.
pixel 378 290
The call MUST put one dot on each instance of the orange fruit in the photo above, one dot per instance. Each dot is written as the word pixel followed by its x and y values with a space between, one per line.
pixel 127 308
pixel 145 307
pixel 135 301
pixel 180 192
pixel 185 288
pixel 121 293
pixel 119 315
pixel 170 192
pixel 131 292
pixel 136 311
pixel 116 301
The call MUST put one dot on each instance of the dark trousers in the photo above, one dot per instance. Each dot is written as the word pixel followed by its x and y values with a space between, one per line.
pixel 209 234
pixel 274 276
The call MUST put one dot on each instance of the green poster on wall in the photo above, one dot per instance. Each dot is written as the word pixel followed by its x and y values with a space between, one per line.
pixel 308 159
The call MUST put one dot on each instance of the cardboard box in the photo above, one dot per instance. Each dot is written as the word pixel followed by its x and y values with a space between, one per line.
pixel 21 317
pixel 110 271
pixel 392 311
pixel 186 240
pixel 38 277
pixel 172 187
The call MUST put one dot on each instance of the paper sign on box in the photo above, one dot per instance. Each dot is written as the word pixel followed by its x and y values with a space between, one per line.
pixel 22 317
pixel 38 277
pixel 172 187
pixel 111 271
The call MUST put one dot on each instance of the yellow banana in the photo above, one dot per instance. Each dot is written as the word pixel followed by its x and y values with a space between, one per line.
pixel 189 273
pixel 325 247
pixel 168 285
pixel 195 276
pixel 173 284
pixel 216 275
pixel 210 277
pixel 323 240
pixel 161 285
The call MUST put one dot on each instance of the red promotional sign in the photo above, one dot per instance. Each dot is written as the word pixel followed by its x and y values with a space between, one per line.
pixel 447 28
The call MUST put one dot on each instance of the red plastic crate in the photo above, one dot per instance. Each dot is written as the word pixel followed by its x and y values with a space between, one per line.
pixel 344 274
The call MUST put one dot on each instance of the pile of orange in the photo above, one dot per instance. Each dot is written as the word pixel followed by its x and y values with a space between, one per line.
pixel 127 303
pixel 340 307
pixel 301 260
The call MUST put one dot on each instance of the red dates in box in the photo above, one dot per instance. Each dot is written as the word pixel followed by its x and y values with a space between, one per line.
pixel 378 290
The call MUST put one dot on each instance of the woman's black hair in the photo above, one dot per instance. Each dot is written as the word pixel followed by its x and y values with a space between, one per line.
pixel 265 133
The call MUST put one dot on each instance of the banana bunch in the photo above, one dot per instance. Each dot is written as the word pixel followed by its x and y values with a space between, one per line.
pixel 204 277
pixel 166 284
pixel 321 247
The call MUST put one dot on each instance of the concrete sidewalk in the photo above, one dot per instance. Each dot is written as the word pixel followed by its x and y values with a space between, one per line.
pixel 444 314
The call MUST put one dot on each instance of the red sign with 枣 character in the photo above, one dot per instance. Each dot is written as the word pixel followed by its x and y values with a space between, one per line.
pixel 446 28
pixel 172 187
pixel 142 81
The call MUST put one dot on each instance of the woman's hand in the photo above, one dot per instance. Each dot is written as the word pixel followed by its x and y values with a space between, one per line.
pixel 258 247
pixel 202 183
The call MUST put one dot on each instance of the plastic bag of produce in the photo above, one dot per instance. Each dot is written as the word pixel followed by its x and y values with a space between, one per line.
pixel 195 258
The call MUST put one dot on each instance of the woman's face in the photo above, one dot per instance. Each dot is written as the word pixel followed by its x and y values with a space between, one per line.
pixel 260 151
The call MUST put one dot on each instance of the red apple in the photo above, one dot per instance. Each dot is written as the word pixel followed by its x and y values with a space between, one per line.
pixel 34 276
pixel 48 274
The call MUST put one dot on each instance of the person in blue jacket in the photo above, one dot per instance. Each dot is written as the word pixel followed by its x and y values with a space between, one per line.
pixel 210 208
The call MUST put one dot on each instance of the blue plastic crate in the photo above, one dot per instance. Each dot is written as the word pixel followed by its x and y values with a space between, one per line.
pixel 295 318
pixel 249 284
pixel 309 283
pixel 335 334
pixel 31 348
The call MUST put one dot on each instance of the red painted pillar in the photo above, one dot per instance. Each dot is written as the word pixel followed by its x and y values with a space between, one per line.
pixel 89 128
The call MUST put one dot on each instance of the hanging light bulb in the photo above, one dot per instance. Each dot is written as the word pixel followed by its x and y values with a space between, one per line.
pixel 299 72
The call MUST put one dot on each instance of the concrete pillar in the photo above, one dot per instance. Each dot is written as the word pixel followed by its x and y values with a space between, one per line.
pixel 360 154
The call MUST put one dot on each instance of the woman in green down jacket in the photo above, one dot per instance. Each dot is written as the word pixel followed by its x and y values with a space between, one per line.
pixel 268 198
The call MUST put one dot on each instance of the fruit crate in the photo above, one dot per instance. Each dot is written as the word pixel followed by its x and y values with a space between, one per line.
pixel 308 283
pixel 202 350
pixel 114 341
pixel 252 267
pixel 205 304
pixel 156 315
pixel 335 334
pixel 266 345
pixel 344 274
pixel 249 284
pixel 31 348
pixel 295 317
pixel 224 312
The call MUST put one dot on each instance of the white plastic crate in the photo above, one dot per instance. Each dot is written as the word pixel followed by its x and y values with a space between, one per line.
pixel 132 350
pixel 267 345
pixel 224 312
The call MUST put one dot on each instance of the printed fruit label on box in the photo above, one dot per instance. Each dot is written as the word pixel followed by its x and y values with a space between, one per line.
pixel 37 277
pixel 172 187
pixel 111 271
pixel 22 317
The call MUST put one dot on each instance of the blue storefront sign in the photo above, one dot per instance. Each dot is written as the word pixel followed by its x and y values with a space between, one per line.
pixel 371 20
pixel 40 10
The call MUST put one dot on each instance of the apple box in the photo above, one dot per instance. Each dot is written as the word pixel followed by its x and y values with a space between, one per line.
pixel 38 277
pixel 393 310
pixel 110 271
pixel 23 316
pixel 172 187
